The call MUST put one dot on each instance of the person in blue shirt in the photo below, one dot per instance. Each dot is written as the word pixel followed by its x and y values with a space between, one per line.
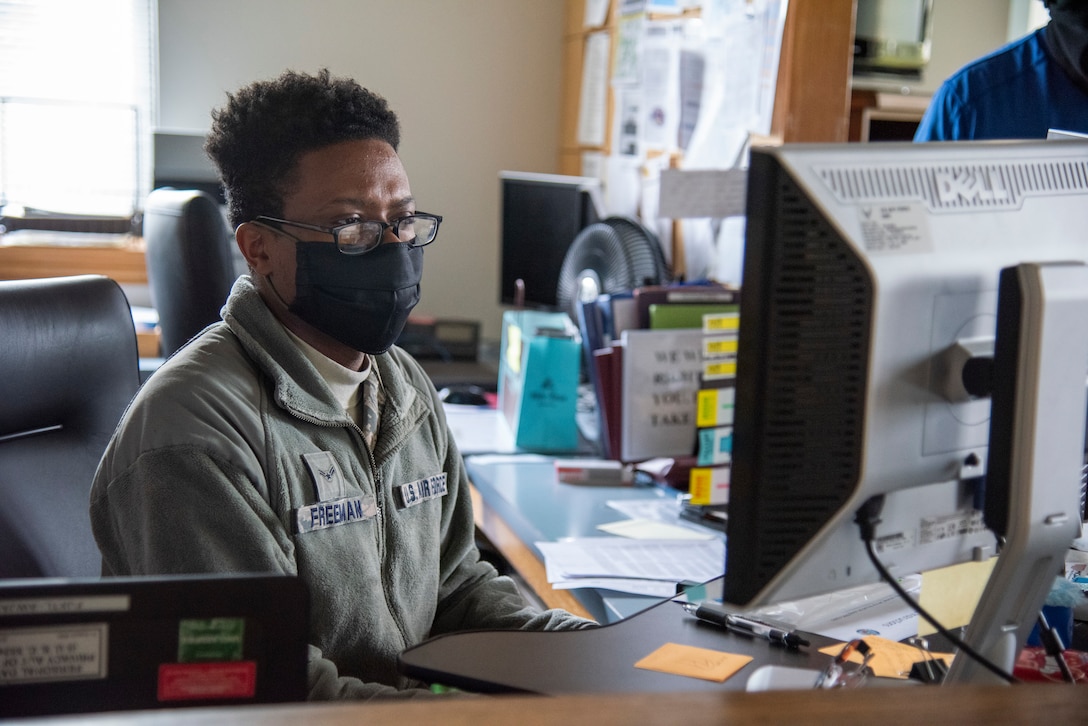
pixel 1022 90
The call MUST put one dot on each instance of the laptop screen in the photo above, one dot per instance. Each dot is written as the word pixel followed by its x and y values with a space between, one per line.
pixel 113 644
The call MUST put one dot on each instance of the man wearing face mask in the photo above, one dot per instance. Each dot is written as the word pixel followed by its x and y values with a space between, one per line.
pixel 1022 90
pixel 293 437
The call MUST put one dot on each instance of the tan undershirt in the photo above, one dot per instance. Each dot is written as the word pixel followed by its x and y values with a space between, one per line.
pixel 345 383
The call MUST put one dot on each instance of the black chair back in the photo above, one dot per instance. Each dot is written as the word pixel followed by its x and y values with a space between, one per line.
pixel 190 267
pixel 68 369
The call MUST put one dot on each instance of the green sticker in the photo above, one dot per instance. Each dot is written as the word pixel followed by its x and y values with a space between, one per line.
pixel 216 639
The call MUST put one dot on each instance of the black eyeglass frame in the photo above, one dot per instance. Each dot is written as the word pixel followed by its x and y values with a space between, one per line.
pixel 275 223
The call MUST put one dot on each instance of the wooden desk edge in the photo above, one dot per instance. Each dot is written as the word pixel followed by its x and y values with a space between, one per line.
pixel 1022 704
pixel 521 557
pixel 125 264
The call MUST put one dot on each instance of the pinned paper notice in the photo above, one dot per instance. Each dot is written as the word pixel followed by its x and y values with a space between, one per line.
pixel 703 193
pixel 687 660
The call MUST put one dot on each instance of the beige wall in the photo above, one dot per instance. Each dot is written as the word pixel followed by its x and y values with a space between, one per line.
pixel 962 31
pixel 476 84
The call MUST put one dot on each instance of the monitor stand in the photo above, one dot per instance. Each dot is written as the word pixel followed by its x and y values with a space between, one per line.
pixel 1036 455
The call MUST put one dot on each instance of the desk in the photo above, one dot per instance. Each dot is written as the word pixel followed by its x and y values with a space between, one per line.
pixel 599 660
pixel 124 264
pixel 517 501
pixel 1026 704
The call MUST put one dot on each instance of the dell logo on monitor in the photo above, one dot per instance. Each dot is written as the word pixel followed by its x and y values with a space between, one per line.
pixel 971 186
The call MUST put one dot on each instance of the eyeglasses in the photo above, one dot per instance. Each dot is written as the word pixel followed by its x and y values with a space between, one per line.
pixel 358 238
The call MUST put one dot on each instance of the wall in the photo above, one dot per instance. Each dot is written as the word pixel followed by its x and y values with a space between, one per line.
pixel 962 30
pixel 476 83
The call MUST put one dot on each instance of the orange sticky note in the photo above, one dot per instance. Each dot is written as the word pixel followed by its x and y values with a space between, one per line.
pixel 687 660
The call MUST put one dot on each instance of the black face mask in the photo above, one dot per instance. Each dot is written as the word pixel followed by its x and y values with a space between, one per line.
pixel 1066 38
pixel 363 301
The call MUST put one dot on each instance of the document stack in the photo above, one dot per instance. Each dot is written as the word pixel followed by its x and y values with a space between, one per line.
pixel 648 355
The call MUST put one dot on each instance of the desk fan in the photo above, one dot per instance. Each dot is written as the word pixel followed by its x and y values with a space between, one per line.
pixel 616 254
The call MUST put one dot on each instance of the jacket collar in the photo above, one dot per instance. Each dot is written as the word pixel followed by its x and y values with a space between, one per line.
pixel 298 386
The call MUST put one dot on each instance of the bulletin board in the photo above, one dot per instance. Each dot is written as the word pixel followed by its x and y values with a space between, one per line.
pixel 653 85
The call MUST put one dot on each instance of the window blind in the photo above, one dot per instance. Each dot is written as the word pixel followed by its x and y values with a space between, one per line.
pixel 75 105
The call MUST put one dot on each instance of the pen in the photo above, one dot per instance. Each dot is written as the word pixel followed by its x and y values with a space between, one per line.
pixel 715 616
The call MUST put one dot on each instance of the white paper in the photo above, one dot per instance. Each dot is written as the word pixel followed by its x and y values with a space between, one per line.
pixel 865 610
pixel 730 251
pixel 479 430
pixel 649 588
pixel 606 562
pixel 493 459
pixel 703 192
pixel 700 251
pixel 593 108
pixel 627 120
pixel 593 164
pixel 655 510
pixel 660 85
pixel 622 185
pixel 742 45
pixel 596 13
pixel 628 62
pixel 692 66
pixel 647 529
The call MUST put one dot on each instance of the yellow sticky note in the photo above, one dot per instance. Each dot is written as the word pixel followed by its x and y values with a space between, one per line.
pixel 891 659
pixel 951 594
pixel 687 660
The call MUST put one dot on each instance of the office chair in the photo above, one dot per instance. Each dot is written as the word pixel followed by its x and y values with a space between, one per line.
pixel 190 268
pixel 68 369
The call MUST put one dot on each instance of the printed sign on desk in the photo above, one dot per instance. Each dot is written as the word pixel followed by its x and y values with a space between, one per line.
pixel 661 374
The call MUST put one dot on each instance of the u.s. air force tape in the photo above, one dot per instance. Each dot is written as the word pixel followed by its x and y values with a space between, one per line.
pixel 417 492
pixel 336 512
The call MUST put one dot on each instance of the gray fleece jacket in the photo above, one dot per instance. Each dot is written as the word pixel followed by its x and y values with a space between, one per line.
pixel 235 457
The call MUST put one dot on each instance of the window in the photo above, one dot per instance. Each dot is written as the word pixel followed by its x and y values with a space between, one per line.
pixel 75 105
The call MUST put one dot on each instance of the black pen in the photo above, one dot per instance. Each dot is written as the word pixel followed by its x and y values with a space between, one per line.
pixel 716 616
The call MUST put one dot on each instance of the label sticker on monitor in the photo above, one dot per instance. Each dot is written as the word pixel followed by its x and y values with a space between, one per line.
pixel 53 654
pixel 960 524
pixel 894 228
pixel 206 681
pixel 64 605
pixel 210 639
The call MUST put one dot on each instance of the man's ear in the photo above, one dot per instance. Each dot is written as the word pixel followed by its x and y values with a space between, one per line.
pixel 253 240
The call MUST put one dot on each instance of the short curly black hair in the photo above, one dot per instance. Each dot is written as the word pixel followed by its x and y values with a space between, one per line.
pixel 258 136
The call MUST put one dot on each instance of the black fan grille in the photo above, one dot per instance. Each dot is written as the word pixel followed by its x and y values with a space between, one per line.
pixel 623 254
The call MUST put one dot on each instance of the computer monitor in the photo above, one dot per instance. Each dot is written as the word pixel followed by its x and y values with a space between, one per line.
pixel 870 285
pixel 541 216
pixel 124 643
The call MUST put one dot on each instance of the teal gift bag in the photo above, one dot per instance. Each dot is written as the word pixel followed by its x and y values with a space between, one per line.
pixel 539 365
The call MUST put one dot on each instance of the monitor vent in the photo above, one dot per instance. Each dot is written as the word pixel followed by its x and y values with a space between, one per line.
pixel 949 187
pixel 819 302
